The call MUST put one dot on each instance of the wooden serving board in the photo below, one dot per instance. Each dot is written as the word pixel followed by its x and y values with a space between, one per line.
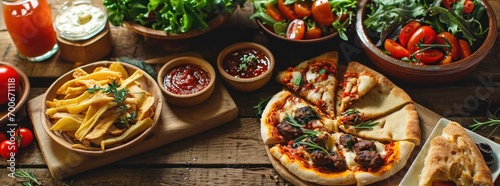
pixel 175 123
pixel 428 120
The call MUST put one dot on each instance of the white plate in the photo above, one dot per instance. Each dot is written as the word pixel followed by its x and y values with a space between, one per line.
pixel 411 177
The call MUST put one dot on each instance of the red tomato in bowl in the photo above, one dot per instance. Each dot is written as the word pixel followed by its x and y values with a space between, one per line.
pixel 442 37
pixel 322 12
pixel 313 33
pixel 465 50
pixel 296 29
pixel 430 56
pixel 9 83
pixel 302 9
pixel 395 49
pixel 286 10
pixel 407 32
pixel 424 34
pixel 272 11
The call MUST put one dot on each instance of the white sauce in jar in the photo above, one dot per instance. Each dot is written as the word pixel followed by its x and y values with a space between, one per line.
pixel 80 21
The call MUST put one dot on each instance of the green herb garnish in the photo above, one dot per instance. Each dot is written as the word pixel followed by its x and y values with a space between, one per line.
pixel 298 81
pixel 259 108
pixel 492 121
pixel 312 146
pixel 365 124
pixel 119 95
pixel 27 178
pixel 356 121
pixel 292 121
pixel 307 133
pixel 246 61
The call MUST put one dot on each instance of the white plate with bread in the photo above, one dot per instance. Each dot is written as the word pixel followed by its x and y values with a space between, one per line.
pixel 412 176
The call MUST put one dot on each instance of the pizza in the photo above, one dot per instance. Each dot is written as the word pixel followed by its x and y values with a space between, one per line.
pixel 454 158
pixel 364 135
pixel 315 80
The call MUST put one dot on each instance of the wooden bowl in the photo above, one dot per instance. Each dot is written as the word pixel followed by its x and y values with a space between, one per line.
pixel 246 84
pixel 147 83
pixel 21 96
pixel 189 99
pixel 425 74
pixel 160 34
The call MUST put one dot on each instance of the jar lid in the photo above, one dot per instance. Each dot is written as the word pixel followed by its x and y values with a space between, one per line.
pixel 79 20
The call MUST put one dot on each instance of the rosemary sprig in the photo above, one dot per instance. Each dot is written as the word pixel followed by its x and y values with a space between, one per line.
pixel 366 124
pixel 292 121
pixel 27 178
pixel 259 108
pixel 492 121
pixel 312 146
pixel 119 95
pixel 307 133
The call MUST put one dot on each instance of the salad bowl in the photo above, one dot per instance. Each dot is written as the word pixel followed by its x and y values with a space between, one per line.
pixel 423 74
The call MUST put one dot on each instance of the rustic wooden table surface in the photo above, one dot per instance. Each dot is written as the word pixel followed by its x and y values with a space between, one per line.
pixel 233 153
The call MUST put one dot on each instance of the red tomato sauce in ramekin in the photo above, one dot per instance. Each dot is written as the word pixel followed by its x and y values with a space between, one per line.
pixel 186 79
pixel 245 63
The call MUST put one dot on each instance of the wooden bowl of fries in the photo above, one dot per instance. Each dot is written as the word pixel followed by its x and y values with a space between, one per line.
pixel 102 107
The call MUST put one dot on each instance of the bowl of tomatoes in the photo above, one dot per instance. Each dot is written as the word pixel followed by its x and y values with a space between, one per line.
pixel 427 42
pixel 308 21
pixel 15 88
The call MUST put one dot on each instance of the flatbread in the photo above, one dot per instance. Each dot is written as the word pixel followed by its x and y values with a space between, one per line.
pixel 454 156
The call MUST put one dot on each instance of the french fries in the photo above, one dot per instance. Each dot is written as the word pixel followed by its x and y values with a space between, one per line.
pixel 103 108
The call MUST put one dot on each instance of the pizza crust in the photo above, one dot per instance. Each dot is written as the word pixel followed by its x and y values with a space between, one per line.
pixel 398 162
pixel 306 172
pixel 454 156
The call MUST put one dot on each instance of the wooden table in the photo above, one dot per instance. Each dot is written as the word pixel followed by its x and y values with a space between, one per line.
pixel 233 153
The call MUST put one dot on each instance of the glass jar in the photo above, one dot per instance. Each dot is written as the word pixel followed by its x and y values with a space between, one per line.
pixel 29 23
pixel 79 20
pixel 82 31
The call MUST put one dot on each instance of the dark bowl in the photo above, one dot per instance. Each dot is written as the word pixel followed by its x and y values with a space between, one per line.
pixel 425 74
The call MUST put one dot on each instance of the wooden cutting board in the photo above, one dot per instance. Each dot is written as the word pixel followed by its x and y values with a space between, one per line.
pixel 175 123
pixel 428 120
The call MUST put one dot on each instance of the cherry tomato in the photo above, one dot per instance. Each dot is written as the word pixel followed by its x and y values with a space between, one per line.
pixel 468 6
pixel 296 29
pixel 272 11
pixel 465 50
pixel 407 32
pixel 429 56
pixel 442 37
pixel 395 49
pixel 447 59
pixel 286 10
pixel 26 136
pixel 322 12
pixel 8 149
pixel 9 83
pixel 302 9
pixel 313 33
pixel 448 3
pixel 424 34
